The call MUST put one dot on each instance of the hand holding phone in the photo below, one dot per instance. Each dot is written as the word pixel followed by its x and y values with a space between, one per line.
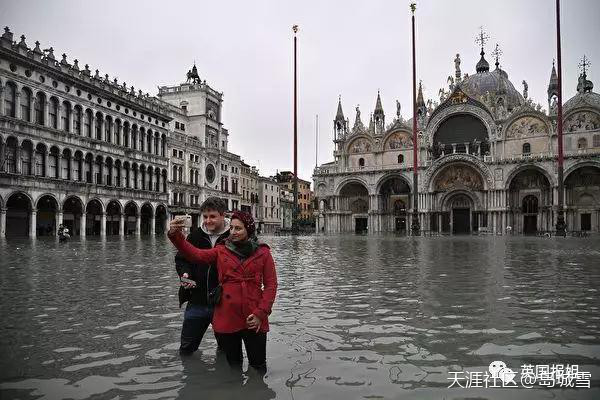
pixel 186 282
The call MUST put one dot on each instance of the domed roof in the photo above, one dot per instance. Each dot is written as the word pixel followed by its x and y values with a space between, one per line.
pixel 495 82
pixel 585 99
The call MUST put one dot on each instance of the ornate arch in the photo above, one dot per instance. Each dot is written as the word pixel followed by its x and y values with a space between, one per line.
pixel 476 163
pixel 344 182
pixel 592 117
pixel 31 202
pixel 77 198
pixel 149 204
pixel 58 203
pixel 446 197
pixel 575 167
pixel 389 175
pixel 102 205
pixel 394 132
pixel 464 108
pixel 515 171
pixel 510 127
pixel 357 138
pixel 135 205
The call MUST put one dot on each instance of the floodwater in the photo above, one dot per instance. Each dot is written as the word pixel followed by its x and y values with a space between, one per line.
pixel 355 317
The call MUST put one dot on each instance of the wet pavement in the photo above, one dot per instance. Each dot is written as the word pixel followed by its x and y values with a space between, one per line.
pixel 355 317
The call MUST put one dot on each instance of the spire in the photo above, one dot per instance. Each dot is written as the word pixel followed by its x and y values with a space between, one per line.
pixel 420 101
pixel 378 106
pixel 339 116
pixel 553 84
pixel 339 123
pixel 482 65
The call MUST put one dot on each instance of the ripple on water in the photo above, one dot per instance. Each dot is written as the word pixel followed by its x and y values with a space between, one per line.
pixel 355 317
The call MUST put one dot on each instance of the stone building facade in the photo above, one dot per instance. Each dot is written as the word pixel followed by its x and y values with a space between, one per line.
pixel 200 164
pixel 249 189
pixel 77 149
pixel 487 161
pixel 269 220
pixel 305 195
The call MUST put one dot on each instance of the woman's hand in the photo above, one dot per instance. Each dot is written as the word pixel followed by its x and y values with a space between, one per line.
pixel 176 225
pixel 253 322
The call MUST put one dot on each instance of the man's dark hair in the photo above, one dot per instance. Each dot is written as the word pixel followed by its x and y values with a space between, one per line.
pixel 214 203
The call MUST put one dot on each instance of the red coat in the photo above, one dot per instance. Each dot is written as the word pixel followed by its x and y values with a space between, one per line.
pixel 242 282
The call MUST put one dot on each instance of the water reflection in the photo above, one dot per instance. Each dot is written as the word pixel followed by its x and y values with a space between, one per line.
pixel 355 317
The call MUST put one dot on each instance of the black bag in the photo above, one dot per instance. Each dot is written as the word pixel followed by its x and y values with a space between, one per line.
pixel 214 296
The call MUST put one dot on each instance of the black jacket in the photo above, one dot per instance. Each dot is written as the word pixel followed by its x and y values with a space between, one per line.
pixel 206 277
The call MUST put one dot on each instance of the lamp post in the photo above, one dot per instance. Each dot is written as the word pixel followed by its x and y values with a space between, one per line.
pixel 295 213
pixel 561 228
pixel 415 226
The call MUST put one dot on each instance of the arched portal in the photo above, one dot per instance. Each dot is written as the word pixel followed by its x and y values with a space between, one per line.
pixel 131 216
pixel 146 215
pixel 113 217
pixel 18 215
pixel 72 212
pixel 530 201
pixel 459 207
pixel 582 191
pixel 93 224
pixel 47 209
pixel 394 202
pixel 160 220
pixel 354 202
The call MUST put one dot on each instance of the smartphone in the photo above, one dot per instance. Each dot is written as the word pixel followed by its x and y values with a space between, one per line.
pixel 188 281
pixel 188 221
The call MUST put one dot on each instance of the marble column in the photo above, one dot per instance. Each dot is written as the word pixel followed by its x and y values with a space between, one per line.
pixel 103 225
pixel 46 113
pixel 33 224
pixel 3 222
pixel 167 220
pixel 138 225
pixel 82 222
pixel 121 225
pixel 18 105
pixel 59 219
pixel 1 100
pixel 153 225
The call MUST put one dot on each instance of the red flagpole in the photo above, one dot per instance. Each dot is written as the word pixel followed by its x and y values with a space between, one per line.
pixel 415 226
pixel 560 220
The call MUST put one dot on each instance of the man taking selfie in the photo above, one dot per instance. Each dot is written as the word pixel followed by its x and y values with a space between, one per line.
pixel 198 280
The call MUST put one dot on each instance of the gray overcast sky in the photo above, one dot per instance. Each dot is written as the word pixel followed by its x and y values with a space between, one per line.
pixel 349 48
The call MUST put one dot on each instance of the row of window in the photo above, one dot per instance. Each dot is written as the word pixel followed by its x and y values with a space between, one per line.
pixel 225 167
pixel 180 125
pixel 84 123
pixel 74 166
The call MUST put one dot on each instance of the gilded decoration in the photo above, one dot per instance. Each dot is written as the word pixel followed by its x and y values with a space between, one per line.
pixel 582 121
pixel 526 127
pixel 458 176
pixel 398 140
pixel 360 145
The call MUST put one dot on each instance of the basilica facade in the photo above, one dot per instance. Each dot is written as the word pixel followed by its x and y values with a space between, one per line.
pixel 487 161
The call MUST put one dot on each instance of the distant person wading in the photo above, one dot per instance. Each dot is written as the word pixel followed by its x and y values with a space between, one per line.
pixel 247 277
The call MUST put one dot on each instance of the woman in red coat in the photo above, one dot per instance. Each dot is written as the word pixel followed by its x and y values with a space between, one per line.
pixel 247 276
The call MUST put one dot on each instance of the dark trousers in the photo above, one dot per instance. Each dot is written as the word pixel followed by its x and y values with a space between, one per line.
pixel 255 344
pixel 196 320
